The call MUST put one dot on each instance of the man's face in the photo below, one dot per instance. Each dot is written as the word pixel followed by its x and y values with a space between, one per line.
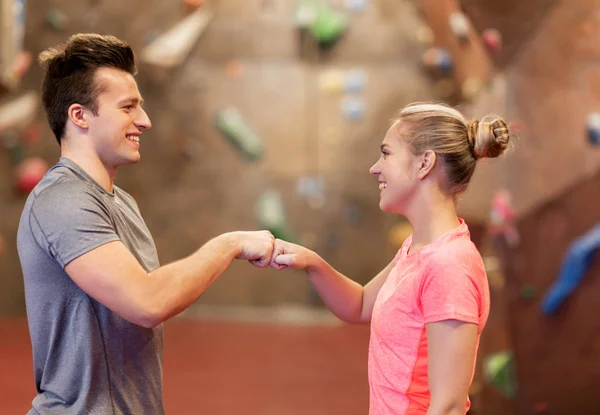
pixel 115 132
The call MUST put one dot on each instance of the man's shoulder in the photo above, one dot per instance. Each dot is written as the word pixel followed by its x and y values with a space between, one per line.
pixel 58 179
pixel 62 190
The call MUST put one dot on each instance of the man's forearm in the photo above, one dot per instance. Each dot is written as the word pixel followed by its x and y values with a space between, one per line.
pixel 175 286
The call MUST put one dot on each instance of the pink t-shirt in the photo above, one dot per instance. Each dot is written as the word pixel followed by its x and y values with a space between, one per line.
pixel 441 281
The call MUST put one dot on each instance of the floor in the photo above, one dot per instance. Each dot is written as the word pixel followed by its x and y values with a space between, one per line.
pixel 226 367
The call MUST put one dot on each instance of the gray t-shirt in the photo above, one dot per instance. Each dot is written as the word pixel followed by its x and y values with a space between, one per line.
pixel 87 359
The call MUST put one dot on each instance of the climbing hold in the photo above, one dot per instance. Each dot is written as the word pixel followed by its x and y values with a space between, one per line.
pixel 234 127
pixel 233 69
pixel 492 39
pixel 425 35
pixel 499 371
pixel 399 233
pixel 574 266
pixel 271 216
pixel 352 213
pixel 29 172
pixel 593 128
pixel 459 26
pixel 56 19
pixel 528 292
pixel 312 190
pixel 173 47
pixel 438 59
pixel 193 4
pixel 22 65
pixel 33 134
pixel 540 407
pixel 357 6
pixel 353 108
pixel 502 219
pixel 355 80
pixel 328 25
pixel 19 113
pixel 470 88
pixel 332 81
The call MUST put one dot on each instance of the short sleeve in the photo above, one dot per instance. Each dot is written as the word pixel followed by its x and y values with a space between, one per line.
pixel 449 291
pixel 69 220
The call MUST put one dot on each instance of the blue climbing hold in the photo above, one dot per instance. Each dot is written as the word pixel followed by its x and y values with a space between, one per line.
pixel 357 6
pixel 593 128
pixel 574 266
pixel 355 80
pixel 444 63
pixel 353 108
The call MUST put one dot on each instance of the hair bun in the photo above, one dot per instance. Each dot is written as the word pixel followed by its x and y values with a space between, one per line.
pixel 488 137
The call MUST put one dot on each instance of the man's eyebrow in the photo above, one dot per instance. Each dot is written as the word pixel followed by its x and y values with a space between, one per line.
pixel 134 100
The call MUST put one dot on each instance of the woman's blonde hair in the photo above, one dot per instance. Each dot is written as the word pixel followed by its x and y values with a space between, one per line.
pixel 457 142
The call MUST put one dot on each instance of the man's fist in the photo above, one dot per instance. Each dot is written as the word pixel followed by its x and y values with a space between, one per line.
pixel 257 247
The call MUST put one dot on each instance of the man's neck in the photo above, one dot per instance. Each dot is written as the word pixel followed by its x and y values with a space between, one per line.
pixel 92 165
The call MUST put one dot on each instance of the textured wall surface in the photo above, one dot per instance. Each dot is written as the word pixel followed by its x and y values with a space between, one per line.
pixel 187 199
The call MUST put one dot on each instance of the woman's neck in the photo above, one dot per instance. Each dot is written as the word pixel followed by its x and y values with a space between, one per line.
pixel 430 219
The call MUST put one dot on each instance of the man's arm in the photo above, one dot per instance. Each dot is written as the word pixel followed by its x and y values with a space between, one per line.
pixel 111 275
pixel 451 357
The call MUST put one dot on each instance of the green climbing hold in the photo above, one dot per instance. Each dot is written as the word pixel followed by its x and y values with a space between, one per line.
pixel 56 19
pixel 234 127
pixel 528 292
pixel 271 216
pixel 323 22
pixel 329 24
pixel 499 369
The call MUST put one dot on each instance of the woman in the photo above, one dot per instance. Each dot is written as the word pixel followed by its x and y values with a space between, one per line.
pixel 427 308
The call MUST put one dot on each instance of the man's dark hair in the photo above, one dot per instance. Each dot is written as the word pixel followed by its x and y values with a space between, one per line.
pixel 70 70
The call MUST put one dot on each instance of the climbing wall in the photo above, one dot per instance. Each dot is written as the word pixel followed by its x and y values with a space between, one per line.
pixel 556 354
pixel 547 91
pixel 544 83
pixel 550 89
pixel 319 113
pixel 516 20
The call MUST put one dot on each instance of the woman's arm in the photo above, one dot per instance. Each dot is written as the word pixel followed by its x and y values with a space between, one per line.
pixel 451 358
pixel 347 299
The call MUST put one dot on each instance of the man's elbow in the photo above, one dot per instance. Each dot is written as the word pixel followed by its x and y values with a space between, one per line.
pixel 148 320
pixel 148 314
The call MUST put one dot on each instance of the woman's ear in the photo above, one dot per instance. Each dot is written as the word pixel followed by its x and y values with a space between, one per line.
pixel 426 163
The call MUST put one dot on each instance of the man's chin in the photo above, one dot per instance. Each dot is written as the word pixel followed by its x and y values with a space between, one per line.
pixel 130 160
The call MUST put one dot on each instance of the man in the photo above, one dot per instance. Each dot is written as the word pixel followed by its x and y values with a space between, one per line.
pixel 95 293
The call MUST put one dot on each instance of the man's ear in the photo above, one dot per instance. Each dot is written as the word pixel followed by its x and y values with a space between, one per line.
pixel 426 163
pixel 78 115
